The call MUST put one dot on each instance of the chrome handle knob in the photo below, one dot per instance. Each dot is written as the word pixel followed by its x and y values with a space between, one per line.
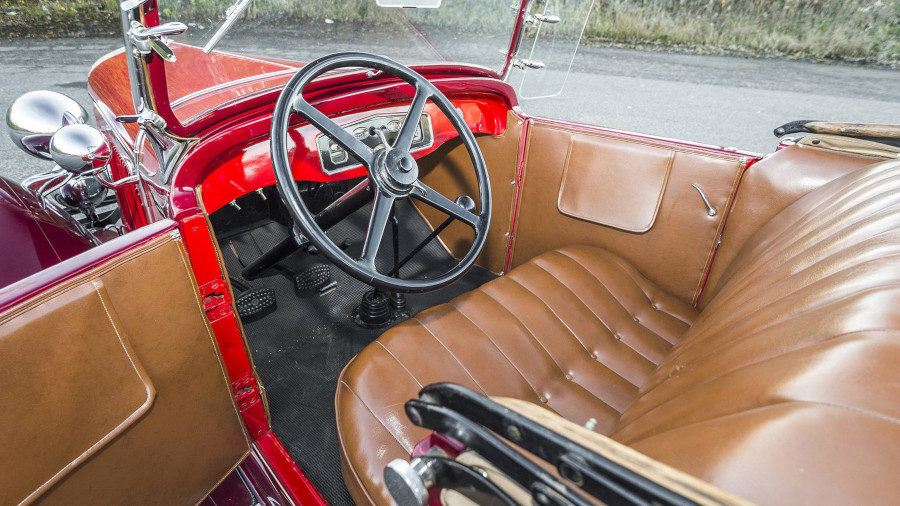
pixel 547 18
pixel 550 19
pixel 523 63
pixel 405 483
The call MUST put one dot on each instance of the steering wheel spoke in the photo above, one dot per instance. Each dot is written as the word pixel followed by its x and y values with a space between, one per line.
pixel 411 122
pixel 378 222
pixel 327 126
pixel 426 194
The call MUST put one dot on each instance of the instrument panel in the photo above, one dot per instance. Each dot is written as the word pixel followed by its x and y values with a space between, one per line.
pixel 336 159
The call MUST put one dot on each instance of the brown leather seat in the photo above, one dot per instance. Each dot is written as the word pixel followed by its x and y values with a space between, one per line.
pixel 785 389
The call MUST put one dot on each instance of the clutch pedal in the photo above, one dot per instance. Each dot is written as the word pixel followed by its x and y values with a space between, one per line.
pixel 256 303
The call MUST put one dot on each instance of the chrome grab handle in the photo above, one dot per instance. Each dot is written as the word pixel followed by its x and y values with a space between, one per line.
pixel 710 210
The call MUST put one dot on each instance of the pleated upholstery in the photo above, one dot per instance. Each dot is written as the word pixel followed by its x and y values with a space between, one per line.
pixel 784 390
pixel 787 387
pixel 577 330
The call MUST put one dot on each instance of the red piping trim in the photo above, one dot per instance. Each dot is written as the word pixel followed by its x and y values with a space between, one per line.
pixel 632 135
pixel 750 162
pixel 520 173
pixel 38 282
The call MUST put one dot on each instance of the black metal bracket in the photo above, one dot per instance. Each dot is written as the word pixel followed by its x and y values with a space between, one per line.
pixel 465 415
pixel 544 487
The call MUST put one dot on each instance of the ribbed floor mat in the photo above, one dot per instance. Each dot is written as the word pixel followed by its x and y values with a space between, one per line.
pixel 300 349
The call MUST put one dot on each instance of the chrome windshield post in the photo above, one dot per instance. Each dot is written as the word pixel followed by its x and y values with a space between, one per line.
pixel 137 75
pixel 141 44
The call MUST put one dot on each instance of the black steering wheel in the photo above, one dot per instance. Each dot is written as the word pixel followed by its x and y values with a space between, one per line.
pixel 393 172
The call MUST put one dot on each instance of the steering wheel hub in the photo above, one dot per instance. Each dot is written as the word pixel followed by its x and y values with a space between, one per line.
pixel 396 172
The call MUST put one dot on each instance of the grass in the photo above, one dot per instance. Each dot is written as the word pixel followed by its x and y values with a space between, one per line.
pixel 846 30
pixel 855 30
pixel 58 18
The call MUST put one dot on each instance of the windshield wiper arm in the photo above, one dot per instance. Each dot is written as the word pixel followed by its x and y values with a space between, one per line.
pixel 231 15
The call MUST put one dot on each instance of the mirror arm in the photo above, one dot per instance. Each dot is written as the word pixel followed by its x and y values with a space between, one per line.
pixel 114 185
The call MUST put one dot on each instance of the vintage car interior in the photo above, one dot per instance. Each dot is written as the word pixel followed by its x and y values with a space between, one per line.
pixel 306 262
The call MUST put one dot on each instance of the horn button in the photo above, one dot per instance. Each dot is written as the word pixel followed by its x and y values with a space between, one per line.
pixel 396 171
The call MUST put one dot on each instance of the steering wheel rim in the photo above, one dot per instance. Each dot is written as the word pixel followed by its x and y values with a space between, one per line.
pixel 392 172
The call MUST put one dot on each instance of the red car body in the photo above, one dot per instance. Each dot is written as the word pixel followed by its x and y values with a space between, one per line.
pixel 227 157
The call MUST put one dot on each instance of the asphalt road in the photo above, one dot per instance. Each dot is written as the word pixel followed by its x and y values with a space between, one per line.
pixel 716 100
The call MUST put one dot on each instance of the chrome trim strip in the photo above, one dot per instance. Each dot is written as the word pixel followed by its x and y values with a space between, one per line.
pixel 219 87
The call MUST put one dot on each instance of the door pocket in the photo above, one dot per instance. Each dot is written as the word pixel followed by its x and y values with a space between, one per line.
pixel 73 383
pixel 615 184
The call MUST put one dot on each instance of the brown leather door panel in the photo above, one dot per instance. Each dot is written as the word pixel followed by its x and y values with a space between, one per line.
pixel 113 388
pixel 628 195
pixel 449 170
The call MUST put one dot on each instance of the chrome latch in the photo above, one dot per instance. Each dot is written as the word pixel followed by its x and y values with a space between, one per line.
pixel 522 63
pixel 147 118
pixel 151 123
pixel 154 39
pixel 542 18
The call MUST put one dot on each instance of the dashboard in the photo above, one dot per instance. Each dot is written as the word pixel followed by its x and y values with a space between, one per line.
pixel 315 157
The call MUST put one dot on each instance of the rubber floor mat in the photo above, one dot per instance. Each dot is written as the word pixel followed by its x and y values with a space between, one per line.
pixel 301 348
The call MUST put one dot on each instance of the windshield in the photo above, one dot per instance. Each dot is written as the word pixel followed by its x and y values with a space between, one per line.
pixel 287 32
pixel 471 31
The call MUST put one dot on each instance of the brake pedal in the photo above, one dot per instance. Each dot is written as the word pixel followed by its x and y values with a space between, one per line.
pixel 256 303
pixel 314 279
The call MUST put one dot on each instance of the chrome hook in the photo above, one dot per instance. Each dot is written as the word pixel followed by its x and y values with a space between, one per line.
pixel 710 210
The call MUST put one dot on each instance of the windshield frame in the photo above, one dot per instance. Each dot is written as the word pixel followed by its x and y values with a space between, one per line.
pixel 158 99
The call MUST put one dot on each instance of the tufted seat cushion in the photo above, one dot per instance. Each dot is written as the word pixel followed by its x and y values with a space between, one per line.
pixel 785 389
pixel 578 330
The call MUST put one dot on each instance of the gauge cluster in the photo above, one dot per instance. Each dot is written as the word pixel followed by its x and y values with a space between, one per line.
pixel 335 158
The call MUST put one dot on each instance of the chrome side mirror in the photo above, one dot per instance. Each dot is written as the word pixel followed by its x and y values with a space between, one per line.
pixel 33 118
pixel 79 149
pixel 82 151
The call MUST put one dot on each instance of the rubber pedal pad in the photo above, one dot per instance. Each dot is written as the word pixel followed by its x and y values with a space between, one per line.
pixel 310 279
pixel 256 303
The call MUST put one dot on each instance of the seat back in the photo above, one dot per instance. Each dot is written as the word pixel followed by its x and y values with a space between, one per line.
pixel 791 369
